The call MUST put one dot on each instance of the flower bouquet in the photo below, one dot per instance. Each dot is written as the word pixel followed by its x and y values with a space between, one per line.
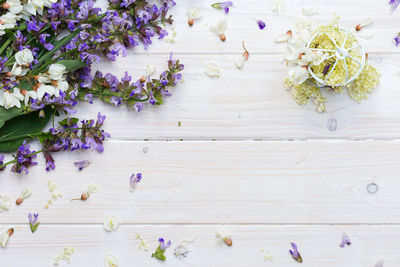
pixel 328 57
pixel 47 52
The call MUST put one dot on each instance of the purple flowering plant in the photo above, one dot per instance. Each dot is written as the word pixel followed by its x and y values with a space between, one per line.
pixel 295 253
pixel 162 247
pixel 46 69
pixel 33 221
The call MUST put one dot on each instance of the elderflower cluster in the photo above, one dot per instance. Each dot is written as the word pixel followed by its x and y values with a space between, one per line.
pixel 50 82
pixel 315 51
pixel 17 11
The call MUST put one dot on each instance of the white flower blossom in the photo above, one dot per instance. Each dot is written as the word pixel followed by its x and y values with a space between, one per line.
pixel 92 188
pixel 193 13
pixel 310 11
pixel 49 3
pixel 366 21
pixel 4 237
pixel 302 23
pixel 29 95
pixel 298 74
pixel 9 100
pixel 220 29
pixel 150 70
pixel 5 202
pixel 283 38
pixel 25 193
pixel 111 261
pixel 212 70
pixel 14 6
pixel 278 6
pixel 56 71
pixel 365 34
pixel 24 57
pixel 240 61
pixel 111 223
pixel 45 89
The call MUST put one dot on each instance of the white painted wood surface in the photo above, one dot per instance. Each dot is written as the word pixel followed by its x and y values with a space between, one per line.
pixel 237 164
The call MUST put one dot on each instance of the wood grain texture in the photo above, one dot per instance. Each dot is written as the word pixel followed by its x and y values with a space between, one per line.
pixel 318 245
pixel 220 182
pixel 250 103
pixel 242 25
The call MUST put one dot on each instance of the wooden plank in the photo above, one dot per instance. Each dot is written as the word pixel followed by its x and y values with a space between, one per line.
pixel 219 182
pixel 242 25
pixel 318 245
pixel 250 103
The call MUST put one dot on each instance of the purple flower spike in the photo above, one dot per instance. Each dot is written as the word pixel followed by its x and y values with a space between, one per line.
pixel 134 180
pixel 164 246
pixel 82 164
pixel 394 4
pixel 345 241
pixel 24 159
pixel 33 221
pixel 223 5
pixel 295 253
pixel 261 24
pixel 397 39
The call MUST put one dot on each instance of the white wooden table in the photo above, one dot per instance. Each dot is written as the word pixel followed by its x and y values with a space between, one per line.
pixel 246 158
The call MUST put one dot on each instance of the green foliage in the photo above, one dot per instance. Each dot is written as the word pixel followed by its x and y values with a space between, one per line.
pixel 24 127
pixel 6 114
pixel 159 254
pixel 34 227
pixel 72 65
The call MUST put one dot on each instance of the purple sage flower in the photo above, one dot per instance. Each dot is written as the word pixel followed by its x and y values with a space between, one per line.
pixel 397 39
pixel 82 164
pixel 345 241
pixel 24 159
pixel 261 24
pixel 295 253
pixel 394 4
pixel 33 221
pixel 223 5
pixel 116 100
pixel 163 245
pixel 1 163
pixel 88 98
pixel 134 180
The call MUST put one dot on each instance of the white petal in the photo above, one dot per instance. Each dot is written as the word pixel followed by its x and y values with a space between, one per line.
pixel 92 188
pixel 111 261
pixel 298 74
pixel 5 203
pixel 220 28
pixel 366 22
pixel 240 62
pixel 4 239
pixel 111 223
pixel 282 38
pixel 194 13
pixel 25 193
pixel 365 34
pixel 310 11
pixel 212 70
pixel 278 6
pixel 150 70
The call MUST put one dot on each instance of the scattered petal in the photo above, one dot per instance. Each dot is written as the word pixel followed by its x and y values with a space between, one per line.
pixel 25 193
pixel 134 180
pixel 278 6
pixel 245 56
pixel 54 195
pixel 82 164
pixel 310 11
pixel 225 237
pixel 33 221
pixel 162 247
pixel 345 241
pixel 5 203
pixel 111 223
pixel 193 13
pixel 396 39
pixel 150 70
pixel 267 255
pixel 220 29
pixel 261 24
pixel 223 5
pixel 111 261
pixel 283 38
pixel 366 34
pixel 295 253
pixel 4 237
pixel 212 70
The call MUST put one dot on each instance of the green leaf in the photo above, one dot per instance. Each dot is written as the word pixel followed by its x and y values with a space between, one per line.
pixel 72 65
pixel 6 114
pixel 34 227
pixel 159 254
pixel 24 127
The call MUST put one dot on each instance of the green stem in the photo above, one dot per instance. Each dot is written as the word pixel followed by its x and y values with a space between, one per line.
pixel 4 46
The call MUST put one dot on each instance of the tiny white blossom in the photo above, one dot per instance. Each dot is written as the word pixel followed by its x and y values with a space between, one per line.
pixel 8 100
pixel 302 23
pixel 111 261
pixel 220 28
pixel 366 21
pixel 240 61
pixel 57 71
pixel 4 237
pixel 17 70
pixel 212 70
pixel 278 6
pixel 5 202
pixel 24 57
pixel 29 95
pixel 283 38
pixel 310 11
pixel 25 193
pixel 9 20
pixel 111 223
pixel 193 13
pixel 65 256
